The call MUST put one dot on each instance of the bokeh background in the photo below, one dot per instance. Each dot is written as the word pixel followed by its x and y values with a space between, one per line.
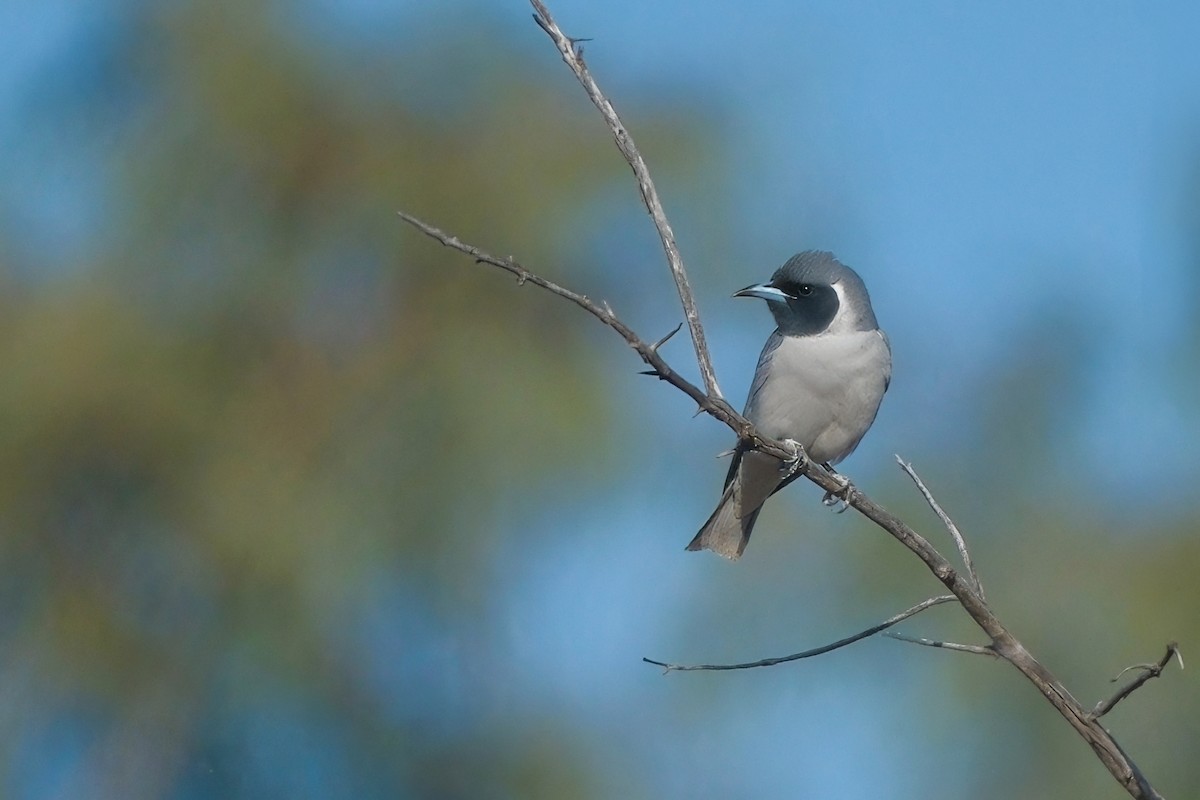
pixel 297 504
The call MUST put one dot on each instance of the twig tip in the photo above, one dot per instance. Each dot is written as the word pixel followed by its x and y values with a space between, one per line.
pixel 666 668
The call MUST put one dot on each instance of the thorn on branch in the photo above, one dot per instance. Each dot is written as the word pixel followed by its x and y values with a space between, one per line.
pixel 576 47
pixel 1149 671
pixel 542 23
pixel 654 347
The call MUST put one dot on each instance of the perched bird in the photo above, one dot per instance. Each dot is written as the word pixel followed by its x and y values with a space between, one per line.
pixel 819 382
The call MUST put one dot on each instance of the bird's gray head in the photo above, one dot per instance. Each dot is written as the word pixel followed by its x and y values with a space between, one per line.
pixel 813 293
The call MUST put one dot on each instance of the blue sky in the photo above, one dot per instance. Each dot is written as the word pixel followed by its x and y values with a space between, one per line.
pixel 981 165
pixel 977 164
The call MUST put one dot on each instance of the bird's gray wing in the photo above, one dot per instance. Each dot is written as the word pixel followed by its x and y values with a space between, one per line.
pixel 887 375
pixel 760 380
pixel 760 371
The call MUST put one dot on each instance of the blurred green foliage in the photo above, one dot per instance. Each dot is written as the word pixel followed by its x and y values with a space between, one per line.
pixel 263 449
pixel 260 400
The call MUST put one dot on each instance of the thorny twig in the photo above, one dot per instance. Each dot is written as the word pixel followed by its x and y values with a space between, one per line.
pixel 1149 671
pixel 966 590
pixel 1004 643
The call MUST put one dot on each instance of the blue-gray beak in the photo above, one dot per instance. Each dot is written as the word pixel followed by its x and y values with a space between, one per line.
pixel 764 291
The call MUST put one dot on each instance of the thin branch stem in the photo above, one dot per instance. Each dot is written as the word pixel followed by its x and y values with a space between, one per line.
pixel 955 533
pixel 714 406
pixel 1149 671
pixel 977 649
pixel 573 56
pixel 816 651
pixel 966 590
pixel 1004 643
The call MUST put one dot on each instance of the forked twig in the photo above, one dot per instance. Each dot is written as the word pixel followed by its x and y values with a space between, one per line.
pixel 966 589
pixel 1004 643
pixel 955 533
pixel 1149 671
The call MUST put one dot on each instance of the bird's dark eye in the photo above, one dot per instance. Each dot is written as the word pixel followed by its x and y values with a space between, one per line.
pixel 804 290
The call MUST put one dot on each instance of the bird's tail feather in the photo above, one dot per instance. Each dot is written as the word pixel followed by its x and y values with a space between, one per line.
pixel 724 533
pixel 752 478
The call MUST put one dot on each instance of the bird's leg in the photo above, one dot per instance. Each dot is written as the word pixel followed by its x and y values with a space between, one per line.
pixel 796 460
pixel 841 495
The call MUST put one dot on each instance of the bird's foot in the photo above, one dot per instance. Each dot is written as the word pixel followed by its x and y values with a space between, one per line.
pixel 796 461
pixel 840 495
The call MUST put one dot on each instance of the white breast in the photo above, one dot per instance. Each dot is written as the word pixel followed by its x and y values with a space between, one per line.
pixel 823 391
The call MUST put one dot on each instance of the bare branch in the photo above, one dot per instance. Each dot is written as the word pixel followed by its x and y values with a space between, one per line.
pixel 1004 643
pixel 816 651
pixel 573 56
pixel 977 649
pixel 967 590
pixel 1148 671
pixel 959 542
pixel 717 407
